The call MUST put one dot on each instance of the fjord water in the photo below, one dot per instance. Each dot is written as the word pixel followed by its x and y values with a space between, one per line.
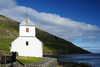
pixel 91 59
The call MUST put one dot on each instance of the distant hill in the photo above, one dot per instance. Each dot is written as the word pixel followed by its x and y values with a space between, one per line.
pixel 52 44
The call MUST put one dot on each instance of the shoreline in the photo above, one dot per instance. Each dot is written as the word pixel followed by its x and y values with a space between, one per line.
pixel 72 64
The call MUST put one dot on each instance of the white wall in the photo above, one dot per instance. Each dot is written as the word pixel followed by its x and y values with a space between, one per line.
pixel 22 31
pixel 34 48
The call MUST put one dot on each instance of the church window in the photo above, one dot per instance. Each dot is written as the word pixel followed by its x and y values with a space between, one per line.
pixel 27 43
pixel 27 29
pixel 10 45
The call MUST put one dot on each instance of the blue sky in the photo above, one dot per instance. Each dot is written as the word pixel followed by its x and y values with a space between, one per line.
pixel 77 10
pixel 74 20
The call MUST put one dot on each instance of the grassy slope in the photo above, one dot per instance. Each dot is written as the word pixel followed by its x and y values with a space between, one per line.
pixel 4 44
pixel 9 31
pixel 55 44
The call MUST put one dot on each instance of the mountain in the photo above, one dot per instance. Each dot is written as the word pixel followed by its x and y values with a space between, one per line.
pixel 52 44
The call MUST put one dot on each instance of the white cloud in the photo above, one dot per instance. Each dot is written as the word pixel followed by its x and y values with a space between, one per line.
pixel 7 3
pixel 60 26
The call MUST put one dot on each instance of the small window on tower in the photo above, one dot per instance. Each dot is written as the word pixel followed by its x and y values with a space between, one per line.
pixel 26 43
pixel 27 29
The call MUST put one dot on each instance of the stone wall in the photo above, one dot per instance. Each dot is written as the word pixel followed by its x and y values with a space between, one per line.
pixel 48 62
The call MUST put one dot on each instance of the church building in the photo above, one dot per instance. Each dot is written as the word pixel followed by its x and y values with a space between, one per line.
pixel 27 44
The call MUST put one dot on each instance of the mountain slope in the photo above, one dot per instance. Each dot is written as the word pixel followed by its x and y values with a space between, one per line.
pixel 56 44
pixel 8 32
pixel 52 44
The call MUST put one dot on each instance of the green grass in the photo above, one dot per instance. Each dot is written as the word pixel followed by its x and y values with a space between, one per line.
pixel 29 59
pixel 6 26
pixel 7 35
pixel 7 31
pixel 5 44
pixel 48 49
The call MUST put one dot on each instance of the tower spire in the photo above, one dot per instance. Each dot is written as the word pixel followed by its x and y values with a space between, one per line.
pixel 26 15
pixel 26 12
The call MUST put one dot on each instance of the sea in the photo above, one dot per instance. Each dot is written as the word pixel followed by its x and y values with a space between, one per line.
pixel 91 59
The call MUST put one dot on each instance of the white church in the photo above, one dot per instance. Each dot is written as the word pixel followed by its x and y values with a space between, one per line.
pixel 27 44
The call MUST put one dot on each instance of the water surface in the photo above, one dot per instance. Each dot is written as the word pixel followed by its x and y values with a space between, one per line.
pixel 92 59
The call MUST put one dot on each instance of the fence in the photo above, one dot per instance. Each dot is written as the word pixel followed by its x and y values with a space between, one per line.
pixel 8 57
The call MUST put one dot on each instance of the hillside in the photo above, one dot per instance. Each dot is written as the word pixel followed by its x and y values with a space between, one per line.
pixel 52 44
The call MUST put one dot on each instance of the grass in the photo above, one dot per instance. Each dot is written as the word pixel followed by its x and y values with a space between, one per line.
pixel 7 35
pixel 5 44
pixel 49 49
pixel 29 59
pixel 7 31
pixel 7 26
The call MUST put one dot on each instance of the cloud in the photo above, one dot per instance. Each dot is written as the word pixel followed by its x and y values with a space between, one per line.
pixel 7 4
pixel 52 23
pixel 91 37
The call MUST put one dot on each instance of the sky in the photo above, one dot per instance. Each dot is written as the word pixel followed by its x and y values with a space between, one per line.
pixel 77 21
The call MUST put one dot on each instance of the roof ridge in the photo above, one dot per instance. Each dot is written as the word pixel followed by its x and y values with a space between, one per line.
pixel 27 22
